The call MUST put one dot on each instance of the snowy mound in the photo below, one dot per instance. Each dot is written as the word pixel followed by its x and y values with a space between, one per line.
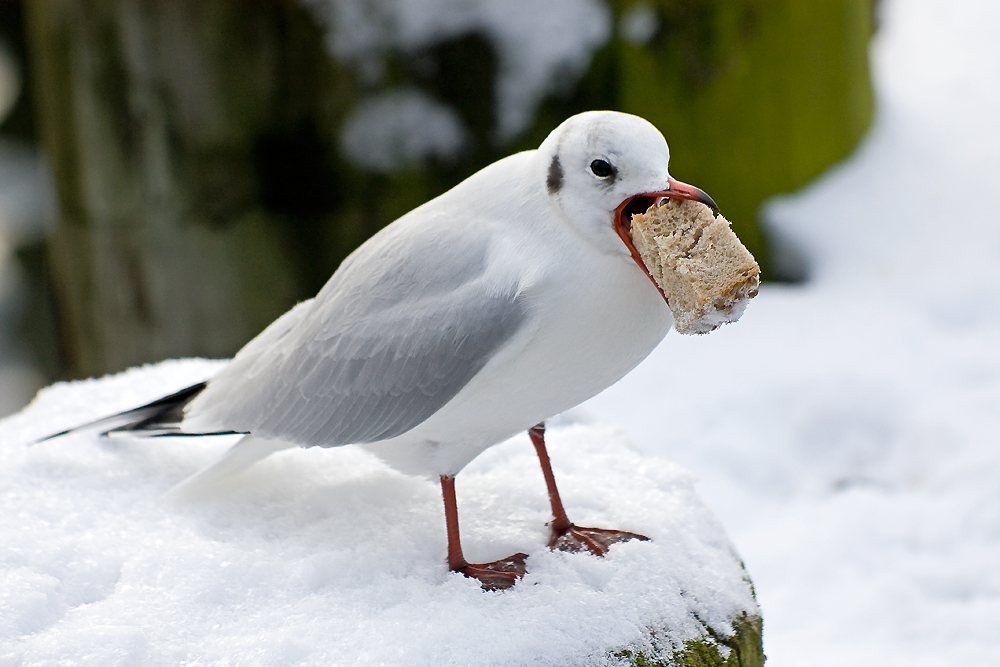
pixel 328 556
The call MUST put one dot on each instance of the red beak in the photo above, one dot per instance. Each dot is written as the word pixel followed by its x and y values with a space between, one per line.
pixel 640 203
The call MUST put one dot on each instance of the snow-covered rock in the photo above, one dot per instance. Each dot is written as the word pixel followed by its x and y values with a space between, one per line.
pixel 330 557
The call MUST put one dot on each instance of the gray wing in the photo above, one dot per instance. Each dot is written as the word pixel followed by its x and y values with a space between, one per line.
pixel 401 327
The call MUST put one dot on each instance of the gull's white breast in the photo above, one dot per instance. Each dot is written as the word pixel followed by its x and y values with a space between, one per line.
pixel 594 317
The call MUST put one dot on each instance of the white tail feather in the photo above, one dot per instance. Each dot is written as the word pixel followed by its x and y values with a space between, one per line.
pixel 240 456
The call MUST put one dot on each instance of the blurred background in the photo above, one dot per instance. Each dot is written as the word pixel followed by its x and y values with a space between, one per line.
pixel 174 174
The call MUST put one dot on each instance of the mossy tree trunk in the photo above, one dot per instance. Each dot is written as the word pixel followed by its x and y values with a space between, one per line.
pixel 762 95
pixel 160 119
pixel 742 645
pixel 755 97
pixel 202 190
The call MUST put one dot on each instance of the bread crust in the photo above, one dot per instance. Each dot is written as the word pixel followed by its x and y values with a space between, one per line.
pixel 705 273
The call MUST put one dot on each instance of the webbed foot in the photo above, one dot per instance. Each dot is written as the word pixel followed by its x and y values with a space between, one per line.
pixel 595 540
pixel 498 575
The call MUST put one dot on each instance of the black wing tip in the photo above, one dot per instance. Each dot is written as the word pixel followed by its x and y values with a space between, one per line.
pixel 178 397
pixel 185 434
pixel 165 410
pixel 52 437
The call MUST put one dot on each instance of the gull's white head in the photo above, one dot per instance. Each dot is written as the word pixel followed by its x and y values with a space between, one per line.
pixel 600 167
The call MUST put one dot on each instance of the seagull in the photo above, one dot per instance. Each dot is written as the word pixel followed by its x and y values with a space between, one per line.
pixel 508 299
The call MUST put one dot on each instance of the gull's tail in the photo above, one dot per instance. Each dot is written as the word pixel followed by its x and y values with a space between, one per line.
pixel 161 417
pixel 238 458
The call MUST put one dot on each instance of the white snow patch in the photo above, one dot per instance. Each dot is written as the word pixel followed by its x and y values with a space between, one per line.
pixel 541 46
pixel 639 23
pixel 328 556
pixel 401 128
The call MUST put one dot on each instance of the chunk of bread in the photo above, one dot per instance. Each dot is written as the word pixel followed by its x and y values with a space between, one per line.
pixel 706 274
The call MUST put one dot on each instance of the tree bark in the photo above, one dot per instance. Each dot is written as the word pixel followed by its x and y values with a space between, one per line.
pixel 202 191
pixel 152 113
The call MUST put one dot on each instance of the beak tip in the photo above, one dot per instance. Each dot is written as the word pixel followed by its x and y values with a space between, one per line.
pixel 711 204
pixel 686 191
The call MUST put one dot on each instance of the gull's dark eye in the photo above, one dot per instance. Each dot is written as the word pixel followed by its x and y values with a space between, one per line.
pixel 602 168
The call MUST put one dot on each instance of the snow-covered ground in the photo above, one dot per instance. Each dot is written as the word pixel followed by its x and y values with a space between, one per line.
pixel 846 432
pixel 327 557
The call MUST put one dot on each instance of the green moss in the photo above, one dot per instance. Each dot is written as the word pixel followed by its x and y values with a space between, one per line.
pixel 755 97
pixel 744 644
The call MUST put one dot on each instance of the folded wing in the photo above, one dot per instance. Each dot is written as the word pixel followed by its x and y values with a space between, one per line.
pixel 397 332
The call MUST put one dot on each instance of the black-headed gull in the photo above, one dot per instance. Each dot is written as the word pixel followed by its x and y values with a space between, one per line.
pixel 510 298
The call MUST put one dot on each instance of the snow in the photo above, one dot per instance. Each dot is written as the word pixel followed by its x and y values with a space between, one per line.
pixel 639 24
pixel 844 432
pixel 329 556
pixel 540 46
pixel 400 128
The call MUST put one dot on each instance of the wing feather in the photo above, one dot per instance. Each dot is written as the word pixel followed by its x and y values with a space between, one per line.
pixel 395 335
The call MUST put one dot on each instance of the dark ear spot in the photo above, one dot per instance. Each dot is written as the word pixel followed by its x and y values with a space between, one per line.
pixel 555 179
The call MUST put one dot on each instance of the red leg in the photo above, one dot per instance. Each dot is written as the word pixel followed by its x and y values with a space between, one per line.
pixel 565 535
pixel 493 576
